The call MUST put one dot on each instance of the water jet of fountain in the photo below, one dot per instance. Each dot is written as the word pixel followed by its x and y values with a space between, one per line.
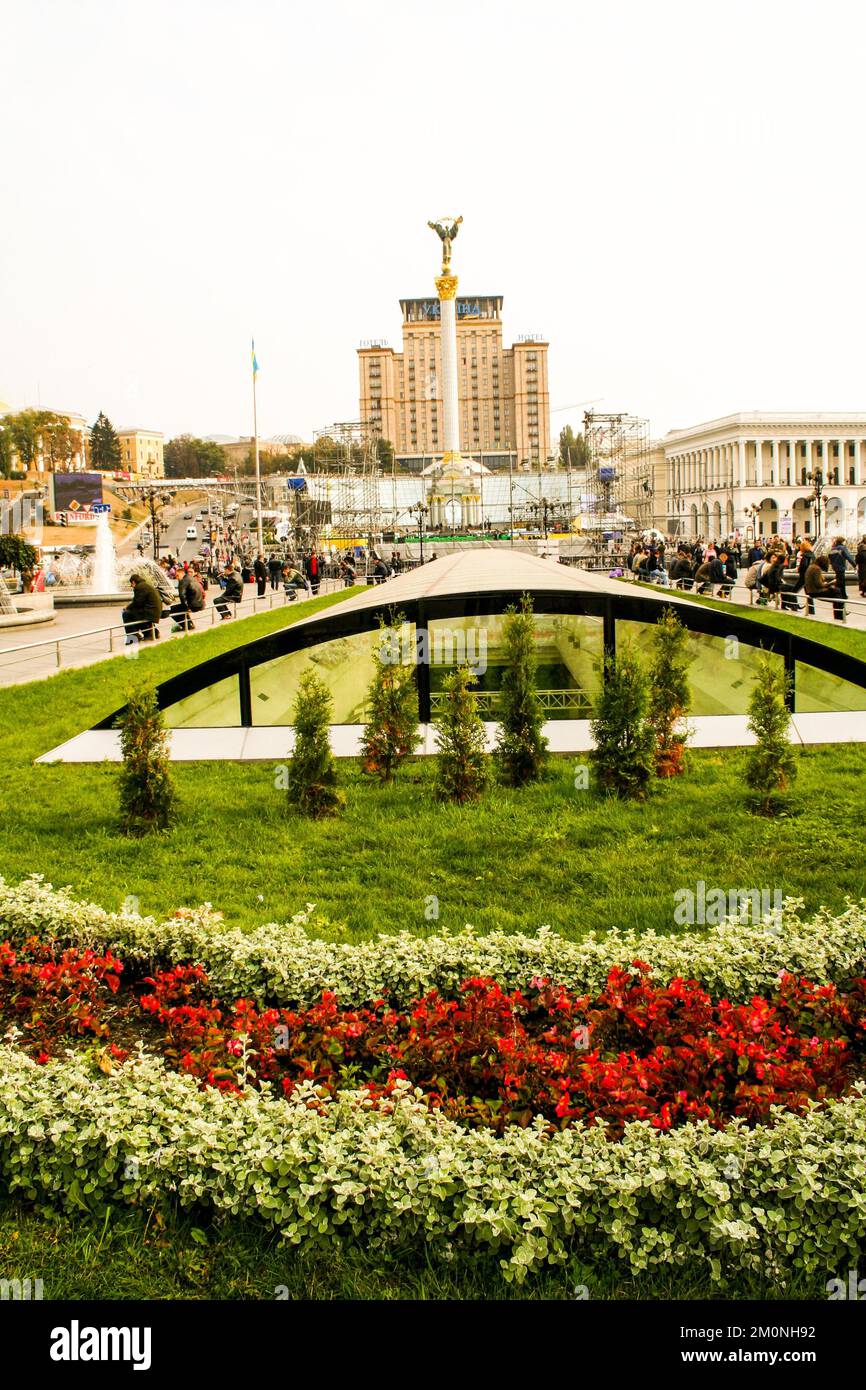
pixel 103 579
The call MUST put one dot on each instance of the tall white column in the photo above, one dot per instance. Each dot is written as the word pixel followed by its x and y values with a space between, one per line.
pixel 447 288
pixel 775 478
pixel 741 463
pixel 855 463
pixel 792 460
pixel 809 468
pixel 759 463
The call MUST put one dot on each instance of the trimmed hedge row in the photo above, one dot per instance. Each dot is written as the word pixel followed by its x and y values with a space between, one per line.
pixel 776 1202
pixel 283 964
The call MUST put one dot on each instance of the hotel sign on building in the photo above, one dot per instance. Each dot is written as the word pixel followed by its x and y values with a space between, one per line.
pixel 504 405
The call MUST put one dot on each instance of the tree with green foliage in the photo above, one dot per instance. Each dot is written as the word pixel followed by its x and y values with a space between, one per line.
pixel 148 801
pixel 29 435
pixel 312 779
pixel 16 553
pixel 670 695
pixel 771 764
pixel 462 766
pixel 189 457
pixel 391 732
pixel 522 748
pixel 385 453
pixel 572 448
pixel 624 752
pixel 104 444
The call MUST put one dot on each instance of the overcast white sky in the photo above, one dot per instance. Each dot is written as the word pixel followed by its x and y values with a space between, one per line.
pixel 673 193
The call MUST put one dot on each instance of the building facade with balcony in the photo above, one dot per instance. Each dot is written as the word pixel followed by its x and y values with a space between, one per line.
pixel 764 474
pixel 504 404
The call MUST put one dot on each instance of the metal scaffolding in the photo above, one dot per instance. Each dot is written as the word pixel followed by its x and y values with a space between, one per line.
pixel 353 481
pixel 619 476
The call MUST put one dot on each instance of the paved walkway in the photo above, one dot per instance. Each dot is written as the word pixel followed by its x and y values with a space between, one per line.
pixel 274 744
pixel 81 636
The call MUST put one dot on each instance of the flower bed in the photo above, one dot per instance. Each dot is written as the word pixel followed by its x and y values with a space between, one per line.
pixel 636 1051
pixel 282 964
pixel 505 1143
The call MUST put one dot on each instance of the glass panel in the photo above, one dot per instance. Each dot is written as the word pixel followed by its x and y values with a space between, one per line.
pixel 721 669
pixel 346 666
pixel 817 692
pixel 568 649
pixel 218 706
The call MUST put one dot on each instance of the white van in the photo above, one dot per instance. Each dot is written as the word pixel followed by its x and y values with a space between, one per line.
pixel 191 533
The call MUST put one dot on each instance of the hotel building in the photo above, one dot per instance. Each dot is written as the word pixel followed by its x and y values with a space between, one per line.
pixel 504 400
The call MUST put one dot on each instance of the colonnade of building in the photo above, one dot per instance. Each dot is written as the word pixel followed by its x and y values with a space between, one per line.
pixel 766 462
pixel 470 509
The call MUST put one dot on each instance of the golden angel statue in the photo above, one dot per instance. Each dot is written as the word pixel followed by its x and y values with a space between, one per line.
pixel 446 230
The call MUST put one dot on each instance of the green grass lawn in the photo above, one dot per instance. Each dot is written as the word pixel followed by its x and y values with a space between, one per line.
pixel 150 1255
pixel 846 639
pixel 548 854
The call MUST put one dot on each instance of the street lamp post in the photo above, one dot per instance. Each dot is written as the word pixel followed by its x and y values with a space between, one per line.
pixel 420 509
pixel 815 496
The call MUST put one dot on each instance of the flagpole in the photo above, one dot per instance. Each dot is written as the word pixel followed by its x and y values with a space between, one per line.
pixel 258 473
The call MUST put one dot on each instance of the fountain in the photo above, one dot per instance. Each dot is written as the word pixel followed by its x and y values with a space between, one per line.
pixel 103 580
pixel 85 583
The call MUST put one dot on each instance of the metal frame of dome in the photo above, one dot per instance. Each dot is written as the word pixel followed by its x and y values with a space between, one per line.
pixel 478 583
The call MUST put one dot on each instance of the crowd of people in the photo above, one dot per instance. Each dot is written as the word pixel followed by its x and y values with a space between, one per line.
pixel 773 571
pixel 179 589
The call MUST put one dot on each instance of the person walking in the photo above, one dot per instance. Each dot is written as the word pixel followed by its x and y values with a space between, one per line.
pixel 142 614
pixel 861 566
pixel 260 573
pixel 756 553
pixel 274 570
pixel 840 558
pixel 804 559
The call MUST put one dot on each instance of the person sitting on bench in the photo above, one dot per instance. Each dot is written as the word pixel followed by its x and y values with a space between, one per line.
pixel 232 592
pixel 142 614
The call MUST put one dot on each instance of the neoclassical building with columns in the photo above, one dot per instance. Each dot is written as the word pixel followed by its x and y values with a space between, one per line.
pixel 756 473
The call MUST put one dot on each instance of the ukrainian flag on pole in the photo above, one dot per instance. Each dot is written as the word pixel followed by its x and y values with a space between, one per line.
pixel 255 363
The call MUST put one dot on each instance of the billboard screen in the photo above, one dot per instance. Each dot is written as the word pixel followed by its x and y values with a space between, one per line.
pixel 76 492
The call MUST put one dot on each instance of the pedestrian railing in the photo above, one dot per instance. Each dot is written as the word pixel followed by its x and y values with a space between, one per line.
pixel 105 641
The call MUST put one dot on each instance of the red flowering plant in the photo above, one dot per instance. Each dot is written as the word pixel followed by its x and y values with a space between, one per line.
pixel 47 993
pixel 637 1050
